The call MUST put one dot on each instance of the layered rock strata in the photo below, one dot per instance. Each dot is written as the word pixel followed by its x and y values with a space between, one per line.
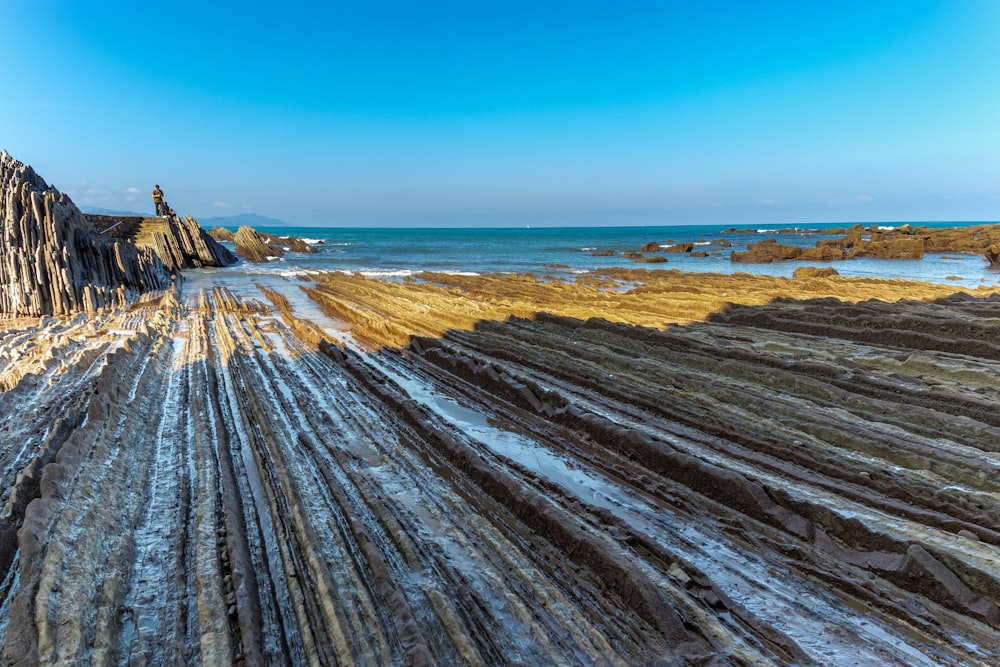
pixel 256 246
pixel 182 244
pixel 252 247
pixel 906 242
pixel 221 234
pixel 217 481
pixel 52 261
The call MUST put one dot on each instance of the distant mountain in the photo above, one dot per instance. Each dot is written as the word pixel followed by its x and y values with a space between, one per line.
pixel 97 210
pixel 248 219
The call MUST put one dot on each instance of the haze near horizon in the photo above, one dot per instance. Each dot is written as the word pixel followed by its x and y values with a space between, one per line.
pixel 473 114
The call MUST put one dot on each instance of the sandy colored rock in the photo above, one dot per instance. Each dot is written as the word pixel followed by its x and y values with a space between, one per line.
pixel 252 247
pixel 182 244
pixel 804 272
pixel 52 261
pixel 221 234
pixel 640 467
pixel 766 251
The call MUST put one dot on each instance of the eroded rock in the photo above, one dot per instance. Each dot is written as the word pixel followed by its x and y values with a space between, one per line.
pixel 53 262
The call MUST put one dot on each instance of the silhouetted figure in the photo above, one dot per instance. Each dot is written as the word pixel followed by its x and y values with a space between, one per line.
pixel 158 200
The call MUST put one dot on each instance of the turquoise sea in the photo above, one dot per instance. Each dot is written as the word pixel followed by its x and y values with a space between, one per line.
pixel 569 251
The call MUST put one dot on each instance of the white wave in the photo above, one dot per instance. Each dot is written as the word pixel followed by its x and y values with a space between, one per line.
pixel 318 241
pixel 459 273
pixel 389 273
pixel 703 243
pixel 588 249
pixel 885 228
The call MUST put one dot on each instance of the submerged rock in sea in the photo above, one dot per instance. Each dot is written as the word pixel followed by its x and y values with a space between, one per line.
pixel 291 243
pixel 766 251
pixel 53 262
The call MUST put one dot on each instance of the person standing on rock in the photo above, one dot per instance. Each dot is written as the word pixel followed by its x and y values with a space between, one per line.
pixel 158 199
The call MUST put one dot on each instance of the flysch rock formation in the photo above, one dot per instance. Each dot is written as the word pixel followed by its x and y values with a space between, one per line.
pixel 256 246
pixel 252 247
pixel 221 234
pixel 52 261
pixel 791 482
pixel 180 244
pixel 905 242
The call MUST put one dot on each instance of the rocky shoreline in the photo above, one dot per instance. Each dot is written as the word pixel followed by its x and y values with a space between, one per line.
pixel 638 467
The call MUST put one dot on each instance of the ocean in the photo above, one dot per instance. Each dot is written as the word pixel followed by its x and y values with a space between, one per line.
pixel 567 252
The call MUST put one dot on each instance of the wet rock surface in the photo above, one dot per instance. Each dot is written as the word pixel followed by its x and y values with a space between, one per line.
pixel 689 470
pixel 53 262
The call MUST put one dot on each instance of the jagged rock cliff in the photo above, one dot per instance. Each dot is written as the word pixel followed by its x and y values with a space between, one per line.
pixel 178 244
pixel 52 261
pixel 252 247
pixel 182 245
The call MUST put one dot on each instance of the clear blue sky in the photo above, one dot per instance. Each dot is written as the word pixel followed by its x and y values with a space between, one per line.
pixel 479 113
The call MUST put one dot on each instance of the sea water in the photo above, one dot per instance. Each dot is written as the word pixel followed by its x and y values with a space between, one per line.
pixel 568 252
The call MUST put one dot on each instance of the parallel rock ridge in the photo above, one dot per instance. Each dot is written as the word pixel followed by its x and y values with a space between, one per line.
pixel 255 246
pixel 52 261
pixel 182 245
pixel 178 244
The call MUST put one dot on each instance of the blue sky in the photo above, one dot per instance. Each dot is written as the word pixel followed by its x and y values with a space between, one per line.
pixel 513 113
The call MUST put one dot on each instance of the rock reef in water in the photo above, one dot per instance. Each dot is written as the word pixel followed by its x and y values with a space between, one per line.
pixel 256 246
pixel 906 242
pixel 53 262
pixel 253 248
pixel 221 234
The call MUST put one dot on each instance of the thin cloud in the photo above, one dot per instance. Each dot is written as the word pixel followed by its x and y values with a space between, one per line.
pixel 133 190
pixel 221 204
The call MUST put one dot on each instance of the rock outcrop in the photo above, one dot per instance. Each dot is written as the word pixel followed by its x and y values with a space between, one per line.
pixel 905 242
pixel 290 243
pixel 53 262
pixel 256 246
pixel 766 252
pixel 221 234
pixel 182 244
pixel 806 272
pixel 992 255
pixel 178 244
pixel 253 248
